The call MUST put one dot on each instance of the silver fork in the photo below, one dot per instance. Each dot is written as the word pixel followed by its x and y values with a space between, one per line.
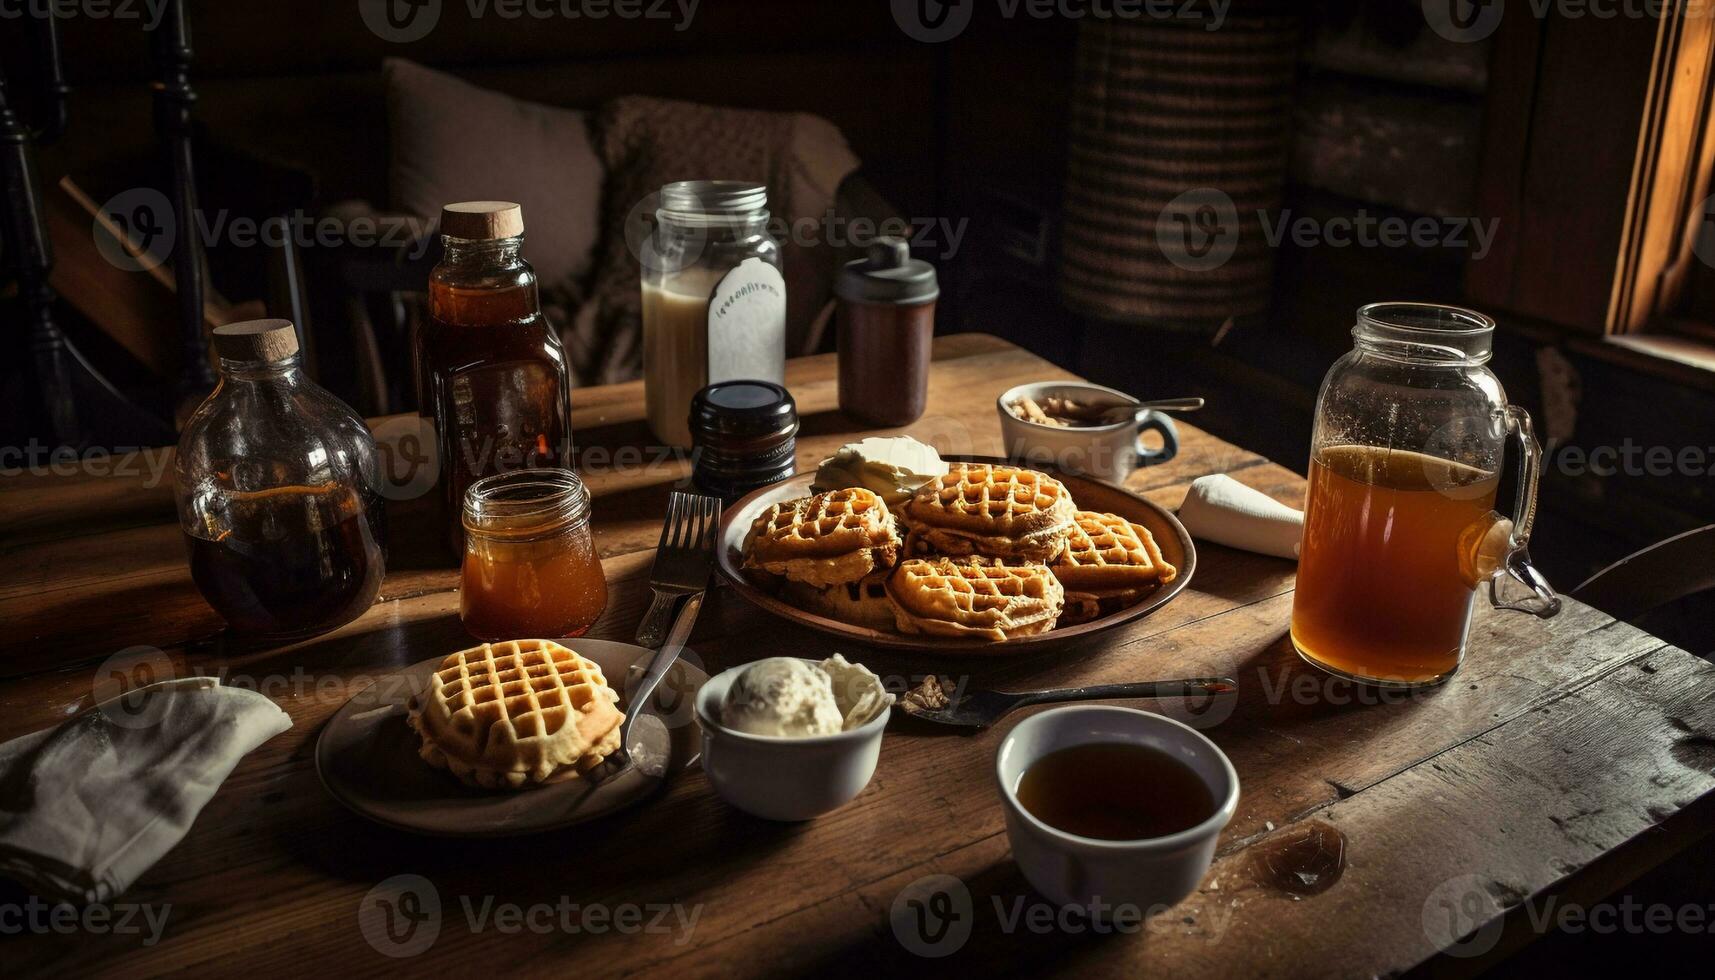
pixel 683 560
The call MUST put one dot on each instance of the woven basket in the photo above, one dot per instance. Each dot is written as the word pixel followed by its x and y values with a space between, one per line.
pixel 1178 140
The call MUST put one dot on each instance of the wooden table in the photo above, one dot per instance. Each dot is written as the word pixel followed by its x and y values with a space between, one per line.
pixel 1566 757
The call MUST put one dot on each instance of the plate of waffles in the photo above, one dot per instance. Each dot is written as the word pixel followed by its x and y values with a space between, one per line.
pixel 507 738
pixel 990 557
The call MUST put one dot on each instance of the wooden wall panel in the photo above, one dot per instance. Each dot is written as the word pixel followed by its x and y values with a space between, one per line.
pixel 1565 108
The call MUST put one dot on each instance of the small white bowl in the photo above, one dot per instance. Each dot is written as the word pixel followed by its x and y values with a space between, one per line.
pixel 784 778
pixel 1107 452
pixel 1150 874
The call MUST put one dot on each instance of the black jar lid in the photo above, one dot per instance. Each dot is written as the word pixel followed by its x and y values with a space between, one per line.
pixel 742 411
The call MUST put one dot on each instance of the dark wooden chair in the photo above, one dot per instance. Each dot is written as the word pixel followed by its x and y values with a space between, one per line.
pixel 1648 581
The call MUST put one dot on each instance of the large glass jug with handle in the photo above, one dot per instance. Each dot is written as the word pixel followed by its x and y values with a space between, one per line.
pixel 1400 527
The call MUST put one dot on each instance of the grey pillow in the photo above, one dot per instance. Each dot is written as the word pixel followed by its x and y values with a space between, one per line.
pixel 452 141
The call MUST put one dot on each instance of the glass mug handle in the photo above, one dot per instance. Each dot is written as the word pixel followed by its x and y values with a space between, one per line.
pixel 1516 564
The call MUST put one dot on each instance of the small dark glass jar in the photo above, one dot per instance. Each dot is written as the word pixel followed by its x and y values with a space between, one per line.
pixel 745 436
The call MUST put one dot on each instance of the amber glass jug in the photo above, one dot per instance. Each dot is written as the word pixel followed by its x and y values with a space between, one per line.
pixel 492 373
pixel 1400 527
pixel 278 493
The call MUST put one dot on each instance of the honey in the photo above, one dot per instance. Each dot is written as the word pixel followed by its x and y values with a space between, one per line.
pixel 530 566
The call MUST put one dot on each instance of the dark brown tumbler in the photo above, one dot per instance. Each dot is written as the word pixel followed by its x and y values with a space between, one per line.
pixel 886 320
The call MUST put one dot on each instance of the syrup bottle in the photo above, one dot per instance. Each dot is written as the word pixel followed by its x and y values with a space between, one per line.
pixel 491 371
pixel 278 493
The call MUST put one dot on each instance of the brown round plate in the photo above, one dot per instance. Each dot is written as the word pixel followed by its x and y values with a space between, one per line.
pixel 367 758
pixel 1089 494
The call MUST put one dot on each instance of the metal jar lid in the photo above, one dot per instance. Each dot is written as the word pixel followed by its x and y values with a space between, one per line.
pixel 713 197
pixel 887 274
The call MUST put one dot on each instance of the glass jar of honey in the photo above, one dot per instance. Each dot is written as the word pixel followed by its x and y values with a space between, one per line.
pixel 530 567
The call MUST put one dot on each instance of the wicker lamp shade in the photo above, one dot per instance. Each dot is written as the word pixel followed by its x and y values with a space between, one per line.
pixel 1178 146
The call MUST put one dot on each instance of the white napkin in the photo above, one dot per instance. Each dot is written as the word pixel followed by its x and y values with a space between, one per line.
pixel 89 805
pixel 1225 511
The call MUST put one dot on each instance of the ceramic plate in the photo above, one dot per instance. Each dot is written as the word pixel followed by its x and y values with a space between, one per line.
pixel 367 757
pixel 1089 494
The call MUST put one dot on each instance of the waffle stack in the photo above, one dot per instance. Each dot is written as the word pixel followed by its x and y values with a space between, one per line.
pixel 993 552
pixel 824 541
pixel 996 511
pixel 513 714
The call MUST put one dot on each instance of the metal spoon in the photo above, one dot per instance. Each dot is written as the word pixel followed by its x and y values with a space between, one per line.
pixel 980 709
pixel 1121 412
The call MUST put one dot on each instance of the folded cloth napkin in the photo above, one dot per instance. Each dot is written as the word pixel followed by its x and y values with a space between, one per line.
pixel 89 805
pixel 1225 511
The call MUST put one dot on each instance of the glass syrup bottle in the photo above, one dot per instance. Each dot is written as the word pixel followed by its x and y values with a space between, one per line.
pixel 492 372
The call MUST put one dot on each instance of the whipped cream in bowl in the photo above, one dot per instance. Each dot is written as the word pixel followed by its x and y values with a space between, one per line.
pixel 790 739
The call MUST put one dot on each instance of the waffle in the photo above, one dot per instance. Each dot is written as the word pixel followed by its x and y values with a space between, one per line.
pixel 999 511
pixel 1109 563
pixel 860 603
pixel 974 598
pixel 826 540
pixel 506 715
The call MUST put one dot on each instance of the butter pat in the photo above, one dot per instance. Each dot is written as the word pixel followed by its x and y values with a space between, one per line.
pixel 892 467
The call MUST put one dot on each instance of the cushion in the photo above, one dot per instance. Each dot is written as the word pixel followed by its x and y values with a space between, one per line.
pixel 452 141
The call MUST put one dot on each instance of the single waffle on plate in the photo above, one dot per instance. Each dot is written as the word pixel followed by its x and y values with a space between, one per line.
pixel 507 715
pixel 999 511
pixel 978 598
pixel 829 539
pixel 1109 562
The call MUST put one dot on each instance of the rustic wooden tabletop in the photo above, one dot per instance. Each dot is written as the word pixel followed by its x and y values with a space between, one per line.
pixel 1565 757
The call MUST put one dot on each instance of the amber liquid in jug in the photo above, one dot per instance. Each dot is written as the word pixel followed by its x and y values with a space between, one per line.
pixel 1385 578
pixel 295 562
pixel 492 372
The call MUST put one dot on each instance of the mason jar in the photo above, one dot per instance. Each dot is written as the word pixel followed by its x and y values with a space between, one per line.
pixel 714 298
pixel 1400 527
pixel 530 564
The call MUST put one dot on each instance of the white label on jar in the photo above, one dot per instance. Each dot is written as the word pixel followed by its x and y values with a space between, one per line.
pixel 747 324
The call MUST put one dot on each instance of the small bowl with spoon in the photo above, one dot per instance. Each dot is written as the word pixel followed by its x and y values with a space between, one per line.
pixel 1084 428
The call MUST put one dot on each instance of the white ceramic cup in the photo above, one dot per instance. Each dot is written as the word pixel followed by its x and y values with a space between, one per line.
pixel 784 778
pixel 1107 452
pixel 1150 874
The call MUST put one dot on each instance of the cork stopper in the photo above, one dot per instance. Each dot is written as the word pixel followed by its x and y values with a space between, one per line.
pixel 256 340
pixel 482 220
